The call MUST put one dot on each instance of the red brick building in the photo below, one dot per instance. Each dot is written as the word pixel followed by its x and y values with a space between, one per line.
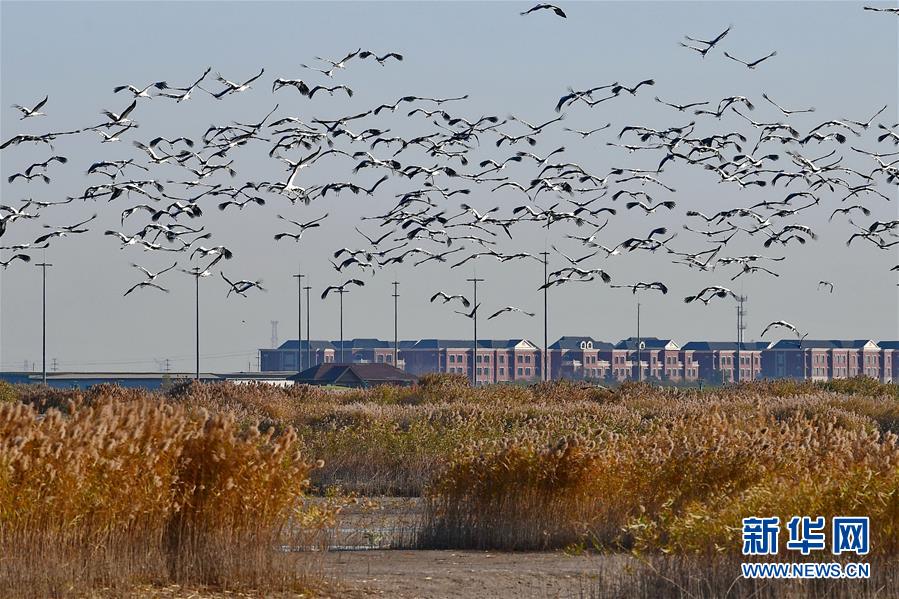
pixel 659 358
pixel 719 361
pixel 823 360
pixel 496 361
pixel 583 357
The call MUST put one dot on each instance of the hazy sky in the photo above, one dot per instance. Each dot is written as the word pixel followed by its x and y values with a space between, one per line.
pixel 831 55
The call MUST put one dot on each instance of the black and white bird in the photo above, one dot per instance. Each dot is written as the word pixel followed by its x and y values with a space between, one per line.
pixel 656 285
pixel 783 324
pixel 342 287
pixel 510 309
pixel 471 314
pixel 754 63
pixel 34 111
pixel 121 118
pixel 448 298
pixel 231 87
pixel 380 59
pixel 707 294
pixel 559 12
pixel 784 110
pixel 144 284
pixel 185 91
pixel 242 286
pixel 681 107
pixel 151 276
pixel 13 258
pixel 140 93
pixel 888 9
pixel 709 44
pixel 650 208
pixel 303 226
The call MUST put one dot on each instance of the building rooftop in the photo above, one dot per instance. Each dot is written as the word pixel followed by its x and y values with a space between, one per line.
pixel 725 345
pixel 649 343
pixel 466 343
pixel 315 344
pixel 574 342
pixel 354 375
pixel 825 344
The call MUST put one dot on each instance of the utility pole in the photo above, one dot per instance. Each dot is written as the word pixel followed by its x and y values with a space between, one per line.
pixel 196 273
pixel 474 353
pixel 639 347
pixel 341 292
pixel 546 366
pixel 308 306
pixel 396 341
pixel 741 299
pixel 299 277
pixel 197 280
pixel 44 266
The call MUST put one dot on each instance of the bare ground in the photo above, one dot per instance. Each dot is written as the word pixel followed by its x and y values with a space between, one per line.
pixel 437 574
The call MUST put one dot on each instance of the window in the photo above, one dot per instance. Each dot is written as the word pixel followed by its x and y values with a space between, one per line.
pixel 452 357
pixel 479 371
pixel 527 360
pixel 502 359
pixel 519 371
pixel 389 359
pixel 487 359
pixel 380 358
pixel 502 371
pixel 479 359
pixel 520 359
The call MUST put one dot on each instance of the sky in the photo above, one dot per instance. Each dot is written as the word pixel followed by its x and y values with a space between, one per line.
pixel 831 55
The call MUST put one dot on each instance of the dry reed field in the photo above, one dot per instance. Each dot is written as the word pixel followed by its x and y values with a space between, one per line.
pixel 204 484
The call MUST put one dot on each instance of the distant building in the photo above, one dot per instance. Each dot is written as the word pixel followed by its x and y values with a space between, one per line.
pixel 890 360
pixel 575 357
pixel 823 360
pixel 586 358
pixel 362 375
pixel 718 361
pixel 496 361
pixel 84 380
pixel 659 358
pixel 291 354
pixel 360 351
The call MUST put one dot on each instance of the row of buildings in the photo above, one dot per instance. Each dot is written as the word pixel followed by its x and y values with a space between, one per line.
pixel 509 360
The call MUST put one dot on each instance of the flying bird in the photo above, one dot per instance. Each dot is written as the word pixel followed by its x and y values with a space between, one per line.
pixel 754 63
pixel 447 298
pixel 342 288
pixel 888 9
pixel 143 284
pixel 241 287
pixel 784 325
pixel 30 112
pixel 551 7
pixel 510 309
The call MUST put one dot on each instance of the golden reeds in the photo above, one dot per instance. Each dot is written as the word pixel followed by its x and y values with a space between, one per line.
pixel 119 493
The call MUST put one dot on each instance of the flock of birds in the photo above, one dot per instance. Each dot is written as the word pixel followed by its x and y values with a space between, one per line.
pixel 803 171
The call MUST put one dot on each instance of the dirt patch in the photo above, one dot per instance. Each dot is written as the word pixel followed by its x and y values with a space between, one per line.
pixel 438 574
